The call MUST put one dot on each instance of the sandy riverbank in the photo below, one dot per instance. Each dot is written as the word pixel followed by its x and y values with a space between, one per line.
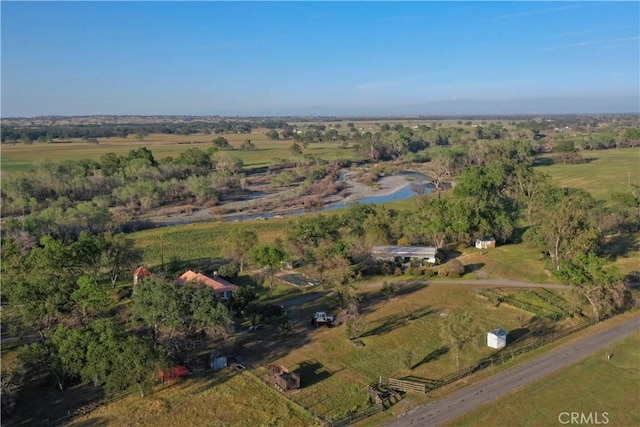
pixel 353 192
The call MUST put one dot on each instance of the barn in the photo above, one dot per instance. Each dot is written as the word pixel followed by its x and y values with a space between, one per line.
pixel 497 338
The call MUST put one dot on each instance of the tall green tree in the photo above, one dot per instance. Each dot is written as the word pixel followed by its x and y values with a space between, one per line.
pixel 120 256
pixel 159 304
pixel 563 224
pixel 207 312
pixel 239 243
pixel 269 258
pixel 598 282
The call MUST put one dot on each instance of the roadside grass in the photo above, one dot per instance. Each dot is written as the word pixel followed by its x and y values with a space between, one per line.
pixel 603 173
pixel 223 398
pixel 594 385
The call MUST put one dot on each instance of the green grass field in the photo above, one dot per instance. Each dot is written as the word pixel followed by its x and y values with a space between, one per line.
pixel 21 157
pixel 594 385
pixel 604 171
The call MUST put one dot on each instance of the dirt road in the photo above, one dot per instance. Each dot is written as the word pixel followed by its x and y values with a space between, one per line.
pixel 474 396
pixel 505 283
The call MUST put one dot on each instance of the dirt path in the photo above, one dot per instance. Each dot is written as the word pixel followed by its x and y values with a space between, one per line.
pixel 474 396
pixel 505 283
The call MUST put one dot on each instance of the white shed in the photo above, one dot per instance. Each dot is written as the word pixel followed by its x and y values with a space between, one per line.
pixel 486 243
pixel 497 338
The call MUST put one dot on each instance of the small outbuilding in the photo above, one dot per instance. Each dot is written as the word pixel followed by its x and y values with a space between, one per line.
pixel 282 379
pixel 175 373
pixel 486 243
pixel 139 274
pixel 497 338
pixel 217 360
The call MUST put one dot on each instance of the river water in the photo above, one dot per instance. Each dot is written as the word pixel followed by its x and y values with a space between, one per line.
pixel 417 184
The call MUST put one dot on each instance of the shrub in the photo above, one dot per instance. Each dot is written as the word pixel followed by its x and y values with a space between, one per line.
pixel 389 289
pixel 229 270
pixel 453 268
pixel 414 271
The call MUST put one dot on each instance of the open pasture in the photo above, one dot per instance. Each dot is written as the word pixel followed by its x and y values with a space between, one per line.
pixel 603 172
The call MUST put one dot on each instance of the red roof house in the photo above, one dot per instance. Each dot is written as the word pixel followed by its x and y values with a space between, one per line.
pixel 139 273
pixel 223 289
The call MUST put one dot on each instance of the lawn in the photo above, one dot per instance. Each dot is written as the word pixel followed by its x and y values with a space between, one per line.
pixel 603 173
pixel 594 385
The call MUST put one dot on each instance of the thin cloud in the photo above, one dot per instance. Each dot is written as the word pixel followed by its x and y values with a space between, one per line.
pixel 591 31
pixel 533 12
pixel 591 43
pixel 493 84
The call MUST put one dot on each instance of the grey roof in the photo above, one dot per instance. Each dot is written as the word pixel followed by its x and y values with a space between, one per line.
pixel 405 251
pixel 499 332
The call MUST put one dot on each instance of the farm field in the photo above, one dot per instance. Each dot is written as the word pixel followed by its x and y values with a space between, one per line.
pixel 20 157
pixel 604 171
pixel 604 386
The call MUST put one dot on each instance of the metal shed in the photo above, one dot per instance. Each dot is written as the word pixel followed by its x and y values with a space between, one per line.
pixel 406 253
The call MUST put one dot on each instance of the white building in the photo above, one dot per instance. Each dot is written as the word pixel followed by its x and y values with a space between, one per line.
pixel 486 243
pixel 497 338
pixel 428 254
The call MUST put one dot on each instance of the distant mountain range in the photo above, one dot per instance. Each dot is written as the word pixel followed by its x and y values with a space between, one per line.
pixel 483 107
pixel 454 107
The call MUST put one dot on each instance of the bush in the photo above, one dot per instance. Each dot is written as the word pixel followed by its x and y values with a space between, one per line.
pixel 386 268
pixel 453 269
pixel 229 270
pixel 415 271
pixel 389 289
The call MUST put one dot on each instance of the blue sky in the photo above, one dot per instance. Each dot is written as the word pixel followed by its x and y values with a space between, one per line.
pixel 279 58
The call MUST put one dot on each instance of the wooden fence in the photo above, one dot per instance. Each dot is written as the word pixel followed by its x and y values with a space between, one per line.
pixel 405 385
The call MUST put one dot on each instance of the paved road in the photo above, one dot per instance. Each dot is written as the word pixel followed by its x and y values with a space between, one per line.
pixel 470 398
